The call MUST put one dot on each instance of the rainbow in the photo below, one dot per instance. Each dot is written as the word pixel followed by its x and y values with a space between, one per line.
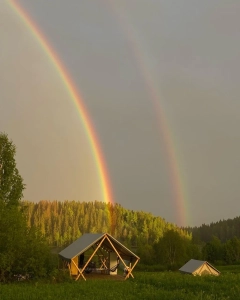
pixel 76 98
pixel 176 177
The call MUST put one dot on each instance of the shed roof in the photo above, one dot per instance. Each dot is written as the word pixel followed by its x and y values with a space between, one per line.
pixel 193 264
pixel 87 240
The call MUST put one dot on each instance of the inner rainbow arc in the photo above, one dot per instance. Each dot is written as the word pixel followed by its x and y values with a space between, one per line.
pixel 75 96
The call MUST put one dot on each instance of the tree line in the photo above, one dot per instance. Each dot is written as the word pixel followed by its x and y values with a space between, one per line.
pixel 223 229
pixel 63 222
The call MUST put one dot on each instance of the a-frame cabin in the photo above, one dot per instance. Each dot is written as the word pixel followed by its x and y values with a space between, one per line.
pixel 99 253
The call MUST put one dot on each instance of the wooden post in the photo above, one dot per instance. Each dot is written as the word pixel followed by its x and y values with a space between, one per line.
pixel 103 261
pixel 103 265
pixel 116 251
pixel 80 273
pixel 129 269
pixel 82 270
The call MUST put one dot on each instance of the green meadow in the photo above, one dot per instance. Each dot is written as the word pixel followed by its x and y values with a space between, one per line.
pixel 145 285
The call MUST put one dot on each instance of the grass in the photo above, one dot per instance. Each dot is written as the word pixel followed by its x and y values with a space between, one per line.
pixel 151 285
pixel 229 269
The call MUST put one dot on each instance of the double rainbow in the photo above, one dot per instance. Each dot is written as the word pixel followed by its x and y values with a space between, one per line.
pixel 178 191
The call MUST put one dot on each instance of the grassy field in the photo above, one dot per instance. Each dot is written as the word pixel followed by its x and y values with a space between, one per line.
pixel 229 269
pixel 162 285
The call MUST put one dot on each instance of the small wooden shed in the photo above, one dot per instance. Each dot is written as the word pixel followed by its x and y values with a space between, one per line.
pixel 199 267
pixel 98 253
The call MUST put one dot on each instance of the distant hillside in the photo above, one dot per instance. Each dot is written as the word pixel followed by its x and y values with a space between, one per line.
pixel 224 230
pixel 63 222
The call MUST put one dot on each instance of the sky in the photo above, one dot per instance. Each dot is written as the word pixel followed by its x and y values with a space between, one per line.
pixel 160 82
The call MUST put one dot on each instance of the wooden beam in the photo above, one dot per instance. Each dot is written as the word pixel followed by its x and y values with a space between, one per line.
pixel 103 265
pixel 80 273
pixel 82 270
pixel 103 260
pixel 129 269
pixel 210 269
pixel 199 273
pixel 69 267
pixel 132 269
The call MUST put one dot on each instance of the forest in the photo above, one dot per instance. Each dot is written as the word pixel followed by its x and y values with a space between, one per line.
pixel 31 234
pixel 154 239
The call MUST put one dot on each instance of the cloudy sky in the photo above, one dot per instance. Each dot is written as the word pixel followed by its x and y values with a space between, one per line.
pixel 160 81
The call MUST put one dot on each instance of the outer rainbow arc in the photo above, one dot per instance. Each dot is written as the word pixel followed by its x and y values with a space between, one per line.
pixel 76 97
pixel 174 168
pixel 178 190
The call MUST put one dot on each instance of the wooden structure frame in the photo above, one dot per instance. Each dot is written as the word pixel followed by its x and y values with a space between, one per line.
pixel 97 242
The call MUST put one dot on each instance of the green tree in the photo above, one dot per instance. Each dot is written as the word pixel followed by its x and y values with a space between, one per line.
pixel 171 248
pixel 213 250
pixel 232 251
pixel 11 183
pixel 22 249
pixel 12 237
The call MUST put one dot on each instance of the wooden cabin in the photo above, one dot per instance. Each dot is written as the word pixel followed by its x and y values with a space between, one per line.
pixel 98 253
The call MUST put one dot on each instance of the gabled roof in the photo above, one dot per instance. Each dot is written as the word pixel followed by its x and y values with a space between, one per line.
pixel 88 240
pixel 192 265
pixel 81 245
